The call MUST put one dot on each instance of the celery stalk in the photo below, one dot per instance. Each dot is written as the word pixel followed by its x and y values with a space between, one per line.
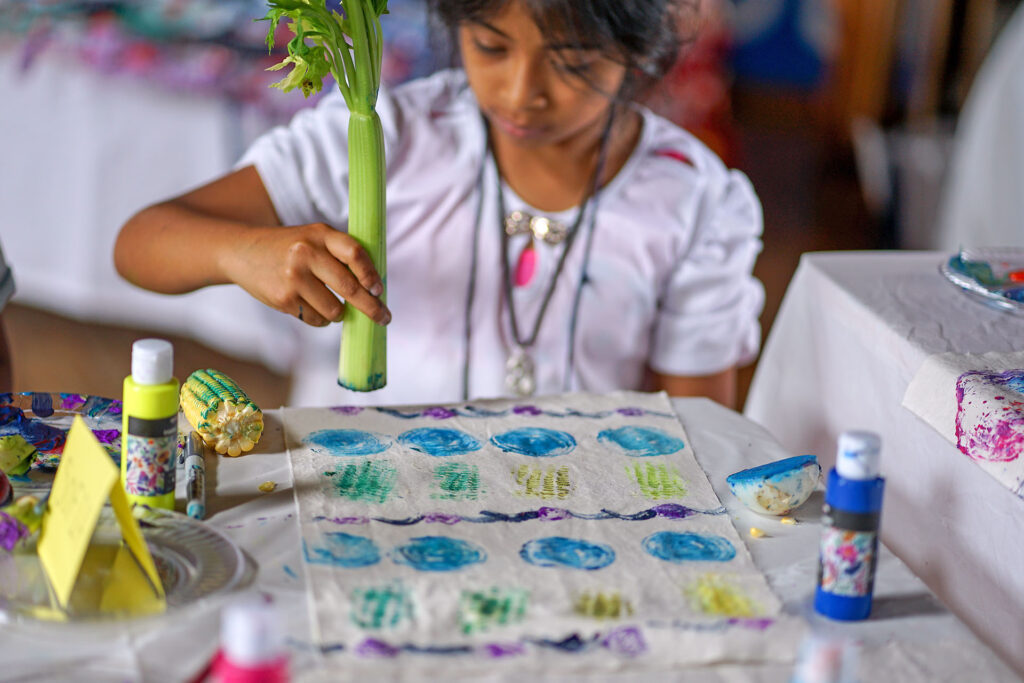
pixel 349 47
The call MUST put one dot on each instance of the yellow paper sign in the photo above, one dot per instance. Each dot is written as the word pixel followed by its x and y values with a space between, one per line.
pixel 85 480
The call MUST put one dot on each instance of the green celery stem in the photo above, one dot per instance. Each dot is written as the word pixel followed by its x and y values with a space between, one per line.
pixel 362 365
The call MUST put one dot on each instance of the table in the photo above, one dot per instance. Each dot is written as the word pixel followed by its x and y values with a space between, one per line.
pixel 852 331
pixel 911 637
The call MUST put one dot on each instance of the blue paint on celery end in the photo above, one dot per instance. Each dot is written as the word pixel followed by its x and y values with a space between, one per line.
pixel 438 554
pixel 574 553
pixel 641 442
pixel 346 551
pixel 439 442
pixel 346 442
pixel 678 547
pixel 536 442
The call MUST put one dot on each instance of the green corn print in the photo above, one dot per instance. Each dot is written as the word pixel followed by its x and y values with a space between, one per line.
pixel 381 607
pixel 657 481
pixel 543 482
pixel 457 481
pixel 367 481
pixel 481 610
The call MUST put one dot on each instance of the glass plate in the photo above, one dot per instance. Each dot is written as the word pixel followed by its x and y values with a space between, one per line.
pixel 994 276
pixel 44 419
pixel 194 561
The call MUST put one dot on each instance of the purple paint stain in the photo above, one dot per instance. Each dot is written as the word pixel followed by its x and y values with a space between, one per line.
pixel 546 514
pixel 71 401
pixel 497 650
pixel 372 647
pixel 755 624
pixel 441 518
pixel 439 413
pixel 107 435
pixel 344 520
pixel 673 511
pixel 347 410
pixel 630 412
pixel 988 435
pixel 42 404
pixel 526 410
pixel 11 531
pixel 627 641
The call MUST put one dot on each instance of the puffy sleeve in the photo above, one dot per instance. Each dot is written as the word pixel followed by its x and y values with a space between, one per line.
pixel 6 281
pixel 707 318
pixel 304 165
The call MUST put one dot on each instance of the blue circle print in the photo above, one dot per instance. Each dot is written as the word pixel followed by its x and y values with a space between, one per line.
pixel 536 442
pixel 346 442
pixel 558 551
pixel 438 554
pixel 641 442
pixel 674 546
pixel 439 442
pixel 343 550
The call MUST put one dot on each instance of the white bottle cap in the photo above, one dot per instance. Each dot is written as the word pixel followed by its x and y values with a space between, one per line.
pixel 858 455
pixel 249 633
pixel 152 361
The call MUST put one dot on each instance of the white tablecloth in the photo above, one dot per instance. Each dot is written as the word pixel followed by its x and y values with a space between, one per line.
pixel 910 636
pixel 851 333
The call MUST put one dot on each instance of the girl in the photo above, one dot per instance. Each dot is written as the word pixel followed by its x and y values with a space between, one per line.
pixel 544 234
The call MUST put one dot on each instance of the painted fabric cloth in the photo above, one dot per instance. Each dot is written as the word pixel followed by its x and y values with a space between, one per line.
pixel 6 281
pixel 675 237
pixel 575 525
pixel 977 403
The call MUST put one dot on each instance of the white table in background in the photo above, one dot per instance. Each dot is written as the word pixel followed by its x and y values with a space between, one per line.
pixel 910 636
pixel 852 331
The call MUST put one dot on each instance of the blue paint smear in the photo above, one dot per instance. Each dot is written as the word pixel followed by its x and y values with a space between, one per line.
pixel 674 546
pixel 346 551
pixel 772 470
pixel 290 572
pixel 439 442
pixel 536 442
pixel 42 404
pixel 347 442
pixel 438 554
pixel 641 442
pixel 574 553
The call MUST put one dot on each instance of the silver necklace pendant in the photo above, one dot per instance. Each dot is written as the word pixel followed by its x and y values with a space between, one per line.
pixel 541 227
pixel 519 373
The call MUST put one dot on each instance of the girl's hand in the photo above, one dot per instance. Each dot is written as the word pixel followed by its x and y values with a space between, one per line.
pixel 303 270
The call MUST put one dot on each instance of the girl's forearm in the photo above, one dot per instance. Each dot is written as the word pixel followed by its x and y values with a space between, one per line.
pixel 173 248
pixel 190 241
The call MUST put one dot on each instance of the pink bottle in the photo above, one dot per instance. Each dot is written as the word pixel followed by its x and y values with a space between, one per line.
pixel 252 647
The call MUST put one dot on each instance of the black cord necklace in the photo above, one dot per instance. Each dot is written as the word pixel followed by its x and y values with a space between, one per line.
pixel 519 369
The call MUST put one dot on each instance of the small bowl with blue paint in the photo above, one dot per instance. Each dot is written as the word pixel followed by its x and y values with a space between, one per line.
pixel 776 488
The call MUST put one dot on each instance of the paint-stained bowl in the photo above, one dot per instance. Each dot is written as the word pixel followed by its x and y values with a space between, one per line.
pixel 776 488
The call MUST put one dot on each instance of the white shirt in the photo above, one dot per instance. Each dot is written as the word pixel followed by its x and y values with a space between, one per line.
pixel 668 280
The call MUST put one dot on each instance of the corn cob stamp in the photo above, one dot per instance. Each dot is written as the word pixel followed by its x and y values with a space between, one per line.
pixel 219 410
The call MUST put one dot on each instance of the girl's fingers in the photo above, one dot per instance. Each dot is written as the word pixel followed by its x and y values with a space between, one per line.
pixel 344 248
pixel 309 314
pixel 329 273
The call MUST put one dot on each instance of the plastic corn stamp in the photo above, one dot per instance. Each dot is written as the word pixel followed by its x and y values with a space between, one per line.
pixel 220 411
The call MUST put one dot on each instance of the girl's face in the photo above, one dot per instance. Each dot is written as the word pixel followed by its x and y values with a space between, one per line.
pixel 536 90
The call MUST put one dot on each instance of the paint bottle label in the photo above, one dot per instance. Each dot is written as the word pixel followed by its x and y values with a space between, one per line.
pixel 150 446
pixel 849 553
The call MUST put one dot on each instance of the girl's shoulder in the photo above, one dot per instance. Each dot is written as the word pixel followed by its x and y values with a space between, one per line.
pixel 667 150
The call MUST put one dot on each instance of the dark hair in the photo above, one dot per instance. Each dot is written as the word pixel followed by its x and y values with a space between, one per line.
pixel 643 35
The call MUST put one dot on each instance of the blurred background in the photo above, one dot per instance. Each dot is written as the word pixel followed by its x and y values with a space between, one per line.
pixel 848 116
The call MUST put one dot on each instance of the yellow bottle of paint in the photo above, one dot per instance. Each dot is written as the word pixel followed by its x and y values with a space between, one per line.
pixel 149 426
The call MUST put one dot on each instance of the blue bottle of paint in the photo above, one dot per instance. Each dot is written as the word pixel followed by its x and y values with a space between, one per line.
pixel 849 542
